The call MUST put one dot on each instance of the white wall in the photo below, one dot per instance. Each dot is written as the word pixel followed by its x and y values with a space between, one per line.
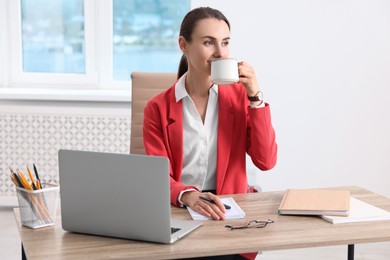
pixel 324 66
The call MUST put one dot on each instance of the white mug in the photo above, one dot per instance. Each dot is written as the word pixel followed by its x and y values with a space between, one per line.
pixel 224 71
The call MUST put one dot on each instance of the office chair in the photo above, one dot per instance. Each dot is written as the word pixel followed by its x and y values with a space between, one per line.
pixel 145 85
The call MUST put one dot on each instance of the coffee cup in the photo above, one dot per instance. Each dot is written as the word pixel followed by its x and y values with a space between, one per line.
pixel 224 71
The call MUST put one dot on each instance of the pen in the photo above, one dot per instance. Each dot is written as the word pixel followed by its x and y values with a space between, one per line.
pixel 211 201
pixel 39 185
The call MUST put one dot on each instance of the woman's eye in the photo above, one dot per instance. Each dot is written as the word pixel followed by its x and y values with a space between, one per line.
pixel 225 43
pixel 208 43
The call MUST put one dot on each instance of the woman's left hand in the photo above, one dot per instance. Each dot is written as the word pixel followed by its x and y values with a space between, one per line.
pixel 248 78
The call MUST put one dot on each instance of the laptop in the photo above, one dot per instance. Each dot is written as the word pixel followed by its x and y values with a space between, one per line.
pixel 118 195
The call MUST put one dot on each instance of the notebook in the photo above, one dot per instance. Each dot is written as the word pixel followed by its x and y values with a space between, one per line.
pixel 118 195
pixel 360 211
pixel 234 212
pixel 315 202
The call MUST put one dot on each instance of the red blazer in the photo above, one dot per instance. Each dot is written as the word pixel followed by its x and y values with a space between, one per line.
pixel 240 130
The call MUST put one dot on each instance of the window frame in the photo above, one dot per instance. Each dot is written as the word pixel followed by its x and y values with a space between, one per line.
pixel 19 78
pixel 98 53
pixel 3 43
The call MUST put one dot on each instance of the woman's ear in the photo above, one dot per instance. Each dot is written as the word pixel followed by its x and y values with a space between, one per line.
pixel 182 44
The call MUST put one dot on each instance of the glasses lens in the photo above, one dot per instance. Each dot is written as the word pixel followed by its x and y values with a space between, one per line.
pixel 251 224
pixel 257 224
pixel 236 226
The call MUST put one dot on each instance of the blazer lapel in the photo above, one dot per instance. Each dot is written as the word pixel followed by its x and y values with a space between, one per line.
pixel 225 124
pixel 175 132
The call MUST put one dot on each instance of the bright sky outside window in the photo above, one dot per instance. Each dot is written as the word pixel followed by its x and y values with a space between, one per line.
pixel 53 36
pixel 145 35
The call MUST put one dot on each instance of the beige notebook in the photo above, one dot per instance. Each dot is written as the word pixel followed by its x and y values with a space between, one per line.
pixel 315 202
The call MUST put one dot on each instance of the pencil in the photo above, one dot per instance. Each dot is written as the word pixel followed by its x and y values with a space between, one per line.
pixel 16 177
pixel 24 181
pixel 31 178
pixel 14 180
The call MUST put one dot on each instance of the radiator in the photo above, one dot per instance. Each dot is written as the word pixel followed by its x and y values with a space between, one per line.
pixel 35 138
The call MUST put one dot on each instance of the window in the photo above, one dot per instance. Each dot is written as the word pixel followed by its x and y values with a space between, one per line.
pixel 86 43
pixel 53 36
pixel 145 35
pixel 3 41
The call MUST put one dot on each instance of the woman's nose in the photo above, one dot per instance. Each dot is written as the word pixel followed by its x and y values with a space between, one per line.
pixel 221 52
pixel 217 53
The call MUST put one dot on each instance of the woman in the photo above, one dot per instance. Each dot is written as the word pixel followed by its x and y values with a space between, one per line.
pixel 204 129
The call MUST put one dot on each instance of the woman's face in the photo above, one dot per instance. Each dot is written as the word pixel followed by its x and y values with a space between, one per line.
pixel 210 40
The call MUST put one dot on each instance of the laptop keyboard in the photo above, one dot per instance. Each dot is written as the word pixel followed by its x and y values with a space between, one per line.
pixel 173 230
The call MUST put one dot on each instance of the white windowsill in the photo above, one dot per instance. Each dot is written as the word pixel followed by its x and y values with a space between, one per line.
pixel 93 95
pixel 8 201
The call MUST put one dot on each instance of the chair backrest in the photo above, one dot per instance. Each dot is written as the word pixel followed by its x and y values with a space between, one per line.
pixel 145 85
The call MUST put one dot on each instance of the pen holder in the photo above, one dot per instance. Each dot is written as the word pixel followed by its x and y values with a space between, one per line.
pixel 38 207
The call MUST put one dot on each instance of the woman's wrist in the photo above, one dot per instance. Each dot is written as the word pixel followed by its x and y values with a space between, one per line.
pixel 258 97
pixel 256 103
pixel 185 196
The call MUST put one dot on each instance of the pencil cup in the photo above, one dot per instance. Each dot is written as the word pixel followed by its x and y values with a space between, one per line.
pixel 38 207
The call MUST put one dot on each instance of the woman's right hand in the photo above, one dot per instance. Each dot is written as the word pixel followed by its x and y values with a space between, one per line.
pixel 214 210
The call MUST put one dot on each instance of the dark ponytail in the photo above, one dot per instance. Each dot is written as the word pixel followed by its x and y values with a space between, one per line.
pixel 183 66
pixel 187 27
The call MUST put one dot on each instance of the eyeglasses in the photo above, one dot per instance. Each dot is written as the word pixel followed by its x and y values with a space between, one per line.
pixel 251 224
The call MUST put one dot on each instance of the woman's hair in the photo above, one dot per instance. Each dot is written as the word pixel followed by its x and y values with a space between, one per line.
pixel 188 25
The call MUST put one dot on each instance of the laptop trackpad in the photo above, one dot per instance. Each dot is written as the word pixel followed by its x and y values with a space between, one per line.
pixel 182 228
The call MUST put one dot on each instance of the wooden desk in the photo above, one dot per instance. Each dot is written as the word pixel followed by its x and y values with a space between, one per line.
pixel 213 238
